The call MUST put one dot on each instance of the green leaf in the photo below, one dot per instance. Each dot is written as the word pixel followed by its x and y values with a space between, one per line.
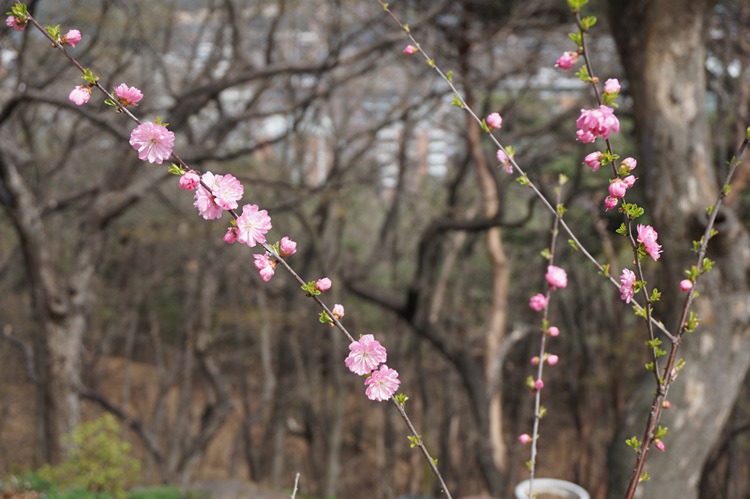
pixel 405 27
pixel 484 126
pixel 401 399
pixel 583 74
pixel 573 244
pixel 414 440
pixel 622 229
pixel 546 253
pixel 19 11
pixel 588 22
pixel 661 432
pixel 457 102
pixel 54 31
pixel 449 76
pixel 747 134
pixel 542 411
pixel 605 270
pixel 309 288
pixel 655 295
pixel 707 264
pixel 89 77
pixel 645 477
pixel 431 63
pixel 176 169
pixel 575 38
pixel 650 367
pixel 324 318
pixel 523 180
pixel 726 189
pixel 561 210
pixel 633 442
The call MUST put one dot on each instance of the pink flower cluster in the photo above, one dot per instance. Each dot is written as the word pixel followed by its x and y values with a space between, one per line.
pixel 627 285
pixel 216 193
pixel 599 122
pixel 556 277
pixel 15 23
pixel 153 142
pixel 617 189
pixel 364 357
pixel 647 236
pixel 128 96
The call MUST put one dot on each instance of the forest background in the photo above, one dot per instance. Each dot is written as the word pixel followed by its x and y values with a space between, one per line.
pixel 117 297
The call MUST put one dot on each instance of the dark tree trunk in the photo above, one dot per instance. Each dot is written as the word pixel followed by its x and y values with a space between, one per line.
pixel 662 45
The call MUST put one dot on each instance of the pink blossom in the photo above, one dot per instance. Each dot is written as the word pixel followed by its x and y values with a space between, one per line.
pixel 365 355
pixel 15 23
pixel 629 181
pixel 252 225
pixel 287 247
pixel 538 384
pixel 323 284
pixel 617 188
pixel 554 331
pixel 231 236
pixel 265 266
pixel 538 302
pixel 80 95
pixel 659 445
pixel 222 194
pixel 647 235
pixel 609 203
pixel 627 286
pixel 556 277
pixel 153 142
pixel 190 180
pixel 593 123
pixel 567 60
pixel 410 49
pixel 611 86
pixel 504 159
pixel 552 359
pixel 686 285
pixel 72 38
pixel 338 312
pixel 129 96
pixel 535 360
pixel 593 160
pixel 630 163
pixel 382 384
pixel 525 438
pixel 494 121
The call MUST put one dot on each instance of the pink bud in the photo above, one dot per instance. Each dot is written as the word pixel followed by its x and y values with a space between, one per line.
pixel 617 188
pixel 410 49
pixel 525 438
pixel 630 163
pixel 686 285
pixel 538 302
pixel 190 180
pixel 556 277
pixel 666 404
pixel 231 236
pixel 611 86
pixel 323 284
pixel 72 38
pixel 80 95
pixel 567 60
pixel 593 160
pixel 553 331
pixel 535 360
pixel 610 202
pixel 287 247
pixel 338 311
pixel 504 160
pixel 539 384
pixel 659 445
pixel 494 121
pixel 552 359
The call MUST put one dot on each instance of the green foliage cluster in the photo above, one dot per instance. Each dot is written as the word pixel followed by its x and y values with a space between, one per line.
pixel 99 460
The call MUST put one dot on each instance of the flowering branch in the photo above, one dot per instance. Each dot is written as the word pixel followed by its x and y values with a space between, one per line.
pixel 556 278
pixel 218 193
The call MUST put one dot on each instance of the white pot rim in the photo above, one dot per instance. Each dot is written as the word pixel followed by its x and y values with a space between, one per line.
pixel 552 486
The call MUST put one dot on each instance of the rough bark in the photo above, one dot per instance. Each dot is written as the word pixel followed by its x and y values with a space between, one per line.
pixel 662 45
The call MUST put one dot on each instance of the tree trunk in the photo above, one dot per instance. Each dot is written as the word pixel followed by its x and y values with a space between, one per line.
pixel 662 45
